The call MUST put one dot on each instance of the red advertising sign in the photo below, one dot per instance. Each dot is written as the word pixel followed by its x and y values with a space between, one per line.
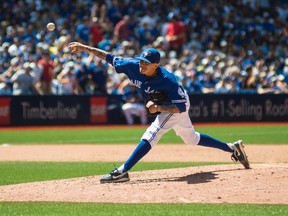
pixel 4 111
pixel 98 110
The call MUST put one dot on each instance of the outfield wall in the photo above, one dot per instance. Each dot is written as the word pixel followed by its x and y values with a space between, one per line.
pixel 70 110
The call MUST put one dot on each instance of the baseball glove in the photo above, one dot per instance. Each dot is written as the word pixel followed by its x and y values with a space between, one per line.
pixel 156 98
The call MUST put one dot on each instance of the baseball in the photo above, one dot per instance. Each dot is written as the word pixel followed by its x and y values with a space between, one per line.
pixel 50 26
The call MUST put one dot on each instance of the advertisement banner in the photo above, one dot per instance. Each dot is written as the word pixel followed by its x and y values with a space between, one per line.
pixel 50 110
pixel 5 111
pixel 85 109
pixel 239 108
pixel 98 110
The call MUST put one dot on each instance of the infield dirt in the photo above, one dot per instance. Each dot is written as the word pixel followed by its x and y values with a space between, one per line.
pixel 266 182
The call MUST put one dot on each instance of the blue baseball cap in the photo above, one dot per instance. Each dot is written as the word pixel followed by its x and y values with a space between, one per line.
pixel 150 55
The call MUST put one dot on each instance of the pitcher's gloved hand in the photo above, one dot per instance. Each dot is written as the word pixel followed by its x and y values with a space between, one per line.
pixel 155 99
pixel 152 108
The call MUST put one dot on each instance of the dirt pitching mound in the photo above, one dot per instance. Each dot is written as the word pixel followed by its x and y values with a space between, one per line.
pixel 264 183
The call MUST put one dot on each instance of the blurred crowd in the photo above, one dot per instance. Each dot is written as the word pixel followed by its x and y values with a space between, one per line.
pixel 212 46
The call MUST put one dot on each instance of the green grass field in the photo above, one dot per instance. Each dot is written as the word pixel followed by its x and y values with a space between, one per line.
pixel 250 134
pixel 20 172
pixel 102 209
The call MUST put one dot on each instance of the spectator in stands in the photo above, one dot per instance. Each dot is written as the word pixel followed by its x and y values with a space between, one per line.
pixel 4 54
pixel 150 19
pixel 15 65
pixel 277 84
pixel 67 81
pixel 58 64
pixel 224 86
pixel 36 73
pixel 121 31
pixel 82 32
pixel 96 32
pixel 47 74
pixel 14 49
pixel 192 84
pixel 106 23
pixel 175 34
pixel 208 82
pixel 97 70
pixel 5 88
pixel 281 85
pixel 250 81
pixel 114 12
pixel 210 25
pixel 82 75
pixel 2 67
pixel 23 82
pixel 144 35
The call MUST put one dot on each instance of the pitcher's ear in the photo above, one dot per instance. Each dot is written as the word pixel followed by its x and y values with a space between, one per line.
pixel 157 65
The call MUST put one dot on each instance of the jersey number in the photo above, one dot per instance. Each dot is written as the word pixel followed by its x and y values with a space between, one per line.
pixel 181 92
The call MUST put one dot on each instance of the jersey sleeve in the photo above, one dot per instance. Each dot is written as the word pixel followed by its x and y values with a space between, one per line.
pixel 121 65
pixel 178 97
pixel 173 90
pixel 176 92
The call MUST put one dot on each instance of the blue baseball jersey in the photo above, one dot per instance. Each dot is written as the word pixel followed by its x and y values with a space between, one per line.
pixel 164 82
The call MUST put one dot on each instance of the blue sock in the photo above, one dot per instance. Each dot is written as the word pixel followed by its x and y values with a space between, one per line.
pixel 208 141
pixel 141 150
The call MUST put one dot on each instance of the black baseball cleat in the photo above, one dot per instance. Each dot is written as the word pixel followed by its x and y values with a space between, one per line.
pixel 239 154
pixel 115 176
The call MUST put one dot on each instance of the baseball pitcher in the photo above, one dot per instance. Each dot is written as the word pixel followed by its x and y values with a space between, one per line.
pixel 167 99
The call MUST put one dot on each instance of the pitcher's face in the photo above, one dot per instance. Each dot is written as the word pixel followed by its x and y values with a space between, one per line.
pixel 148 69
